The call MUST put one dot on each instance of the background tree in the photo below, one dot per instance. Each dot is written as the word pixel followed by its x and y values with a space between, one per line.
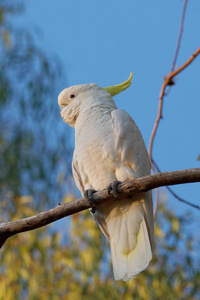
pixel 29 136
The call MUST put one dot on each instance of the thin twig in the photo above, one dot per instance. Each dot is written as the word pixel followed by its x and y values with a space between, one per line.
pixel 173 193
pixel 157 195
pixel 180 35
pixel 186 64
pixel 167 81
pixel 156 203
pixel 138 185
pixel 181 199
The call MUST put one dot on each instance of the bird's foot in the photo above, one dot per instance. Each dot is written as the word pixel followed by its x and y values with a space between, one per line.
pixel 114 187
pixel 88 195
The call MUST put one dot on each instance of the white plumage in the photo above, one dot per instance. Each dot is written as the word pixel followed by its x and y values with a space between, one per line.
pixel 109 147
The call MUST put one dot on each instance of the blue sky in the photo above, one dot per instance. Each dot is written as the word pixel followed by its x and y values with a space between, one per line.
pixel 102 41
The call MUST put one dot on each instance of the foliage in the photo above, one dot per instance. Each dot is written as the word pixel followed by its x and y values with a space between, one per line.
pixel 30 133
pixel 52 263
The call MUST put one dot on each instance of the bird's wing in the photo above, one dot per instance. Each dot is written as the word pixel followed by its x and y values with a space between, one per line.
pixel 129 142
pixel 129 222
pixel 77 176
pixel 99 219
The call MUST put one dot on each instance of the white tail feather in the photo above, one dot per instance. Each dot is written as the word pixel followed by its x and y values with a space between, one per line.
pixel 129 230
pixel 129 265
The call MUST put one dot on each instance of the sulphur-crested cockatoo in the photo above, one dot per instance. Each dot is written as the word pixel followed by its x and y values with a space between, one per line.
pixel 109 148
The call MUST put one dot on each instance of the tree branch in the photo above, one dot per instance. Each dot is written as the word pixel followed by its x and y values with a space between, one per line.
pixel 172 192
pixel 168 81
pixel 143 184
pixel 180 35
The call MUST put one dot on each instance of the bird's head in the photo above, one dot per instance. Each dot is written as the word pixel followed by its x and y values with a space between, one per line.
pixel 82 97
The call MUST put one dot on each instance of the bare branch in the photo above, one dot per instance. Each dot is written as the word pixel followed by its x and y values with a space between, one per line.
pixel 167 82
pixel 156 203
pixel 180 35
pixel 155 166
pixel 143 184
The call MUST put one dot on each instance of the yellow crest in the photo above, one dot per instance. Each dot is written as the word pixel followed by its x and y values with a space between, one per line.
pixel 116 89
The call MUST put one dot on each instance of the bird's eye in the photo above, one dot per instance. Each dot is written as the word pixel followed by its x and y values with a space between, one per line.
pixel 72 96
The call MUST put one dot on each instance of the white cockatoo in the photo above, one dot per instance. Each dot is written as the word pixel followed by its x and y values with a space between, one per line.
pixel 109 148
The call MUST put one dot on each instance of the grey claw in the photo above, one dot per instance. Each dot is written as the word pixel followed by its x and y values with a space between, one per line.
pixel 88 195
pixel 114 187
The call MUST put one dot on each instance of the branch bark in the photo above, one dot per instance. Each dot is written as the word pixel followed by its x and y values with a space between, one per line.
pixel 143 184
